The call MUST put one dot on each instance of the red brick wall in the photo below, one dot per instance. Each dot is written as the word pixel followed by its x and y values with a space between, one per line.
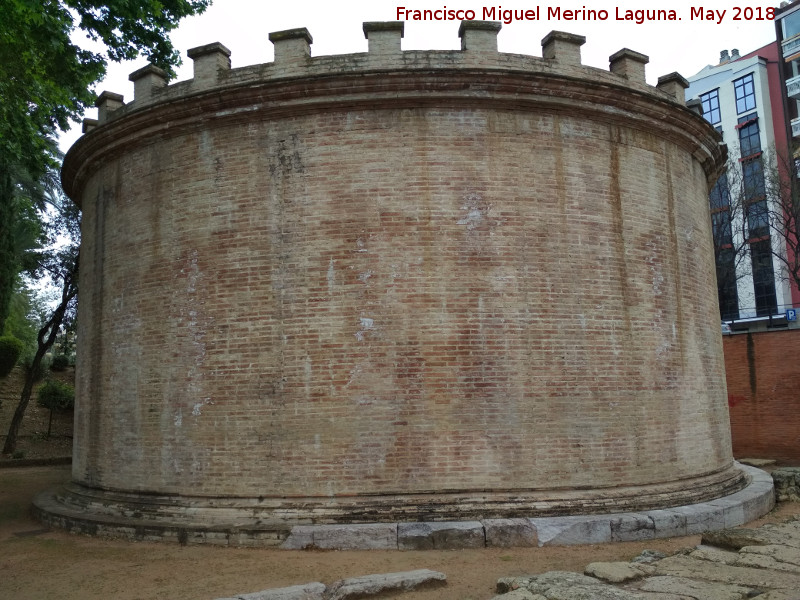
pixel 763 376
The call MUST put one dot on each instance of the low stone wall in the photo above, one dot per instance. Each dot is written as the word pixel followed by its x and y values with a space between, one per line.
pixel 787 484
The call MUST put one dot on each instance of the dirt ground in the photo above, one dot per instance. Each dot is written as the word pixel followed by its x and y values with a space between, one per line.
pixel 36 563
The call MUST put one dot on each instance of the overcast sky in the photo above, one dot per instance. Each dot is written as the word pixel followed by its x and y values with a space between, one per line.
pixel 685 45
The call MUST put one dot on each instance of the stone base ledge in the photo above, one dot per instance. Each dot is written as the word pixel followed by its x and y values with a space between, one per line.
pixel 746 505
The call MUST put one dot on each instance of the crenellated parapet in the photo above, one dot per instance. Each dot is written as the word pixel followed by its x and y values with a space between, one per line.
pixel 560 56
pixel 386 74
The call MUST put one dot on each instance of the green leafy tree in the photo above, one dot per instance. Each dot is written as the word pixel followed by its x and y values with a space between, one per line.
pixel 57 263
pixel 56 395
pixel 46 80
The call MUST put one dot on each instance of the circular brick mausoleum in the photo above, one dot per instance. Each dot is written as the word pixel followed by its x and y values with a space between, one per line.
pixel 394 287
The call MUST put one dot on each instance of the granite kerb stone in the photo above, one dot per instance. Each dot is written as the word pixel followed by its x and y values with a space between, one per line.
pixel 441 536
pixel 727 512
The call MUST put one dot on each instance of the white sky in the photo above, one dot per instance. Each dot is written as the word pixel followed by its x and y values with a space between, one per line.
pixel 685 46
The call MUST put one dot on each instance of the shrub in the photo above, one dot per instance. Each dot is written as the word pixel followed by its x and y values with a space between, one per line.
pixel 60 362
pixel 10 349
pixel 56 395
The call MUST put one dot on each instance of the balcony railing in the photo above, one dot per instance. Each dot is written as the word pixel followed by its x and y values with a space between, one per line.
pixel 793 87
pixel 795 127
pixel 791 46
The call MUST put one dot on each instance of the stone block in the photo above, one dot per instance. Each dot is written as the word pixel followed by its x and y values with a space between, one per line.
pixel 440 536
pixel 564 531
pixel 732 511
pixel 106 103
pixel 307 591
pixel 629 64
pixel 563 47
pixel 787 484
pixel 366 536
pixel 506 533
pixel 291 45
pixel 479 36
pixel 146 80
pixel 208 62
pixel 701 517
pixel 631 527
pixel 386 583
pixel 757 462
pixel 668 522
pixel 675 85
pixel 384 36
pixel 301 537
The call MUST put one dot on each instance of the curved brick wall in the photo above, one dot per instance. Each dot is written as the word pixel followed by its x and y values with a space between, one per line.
pixel 399 285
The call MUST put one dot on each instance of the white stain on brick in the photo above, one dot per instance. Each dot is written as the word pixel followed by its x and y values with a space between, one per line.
pixel 476 209
pixel 331 276
pixel 198 406
pixel 367 324
pixel 365 275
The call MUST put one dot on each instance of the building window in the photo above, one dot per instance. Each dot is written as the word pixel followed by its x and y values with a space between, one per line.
pixel 791 25
pixel 720 203
pixel 763 278
pixel 710 102
pixel 727 289
pixel 749 136
pixel 745 94
pixel 720 196
pixel 753 180
pixel 757 219
pixel 721 228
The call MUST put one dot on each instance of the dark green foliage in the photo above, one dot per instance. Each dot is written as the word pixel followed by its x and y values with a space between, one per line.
pixel 56 395
pixel 10 350
pixel 46 80
pixel 60 362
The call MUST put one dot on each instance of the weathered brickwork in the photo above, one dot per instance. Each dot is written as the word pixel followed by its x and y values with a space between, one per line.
pixel 763 378
pixel 401 284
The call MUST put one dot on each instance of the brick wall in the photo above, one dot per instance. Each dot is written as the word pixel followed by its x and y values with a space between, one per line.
pixel 402 282
pixel 763 376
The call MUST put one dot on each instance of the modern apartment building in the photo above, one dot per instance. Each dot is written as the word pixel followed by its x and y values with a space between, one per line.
pixel 741 96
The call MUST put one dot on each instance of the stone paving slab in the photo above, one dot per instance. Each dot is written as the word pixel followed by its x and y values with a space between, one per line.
pixel 785 534
pixel 694 588
pixel 786 555
pixel 768 569
pixel 618 572
pixel 686 566
pixel 367 586
pixel 374 585
pixel 308 591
